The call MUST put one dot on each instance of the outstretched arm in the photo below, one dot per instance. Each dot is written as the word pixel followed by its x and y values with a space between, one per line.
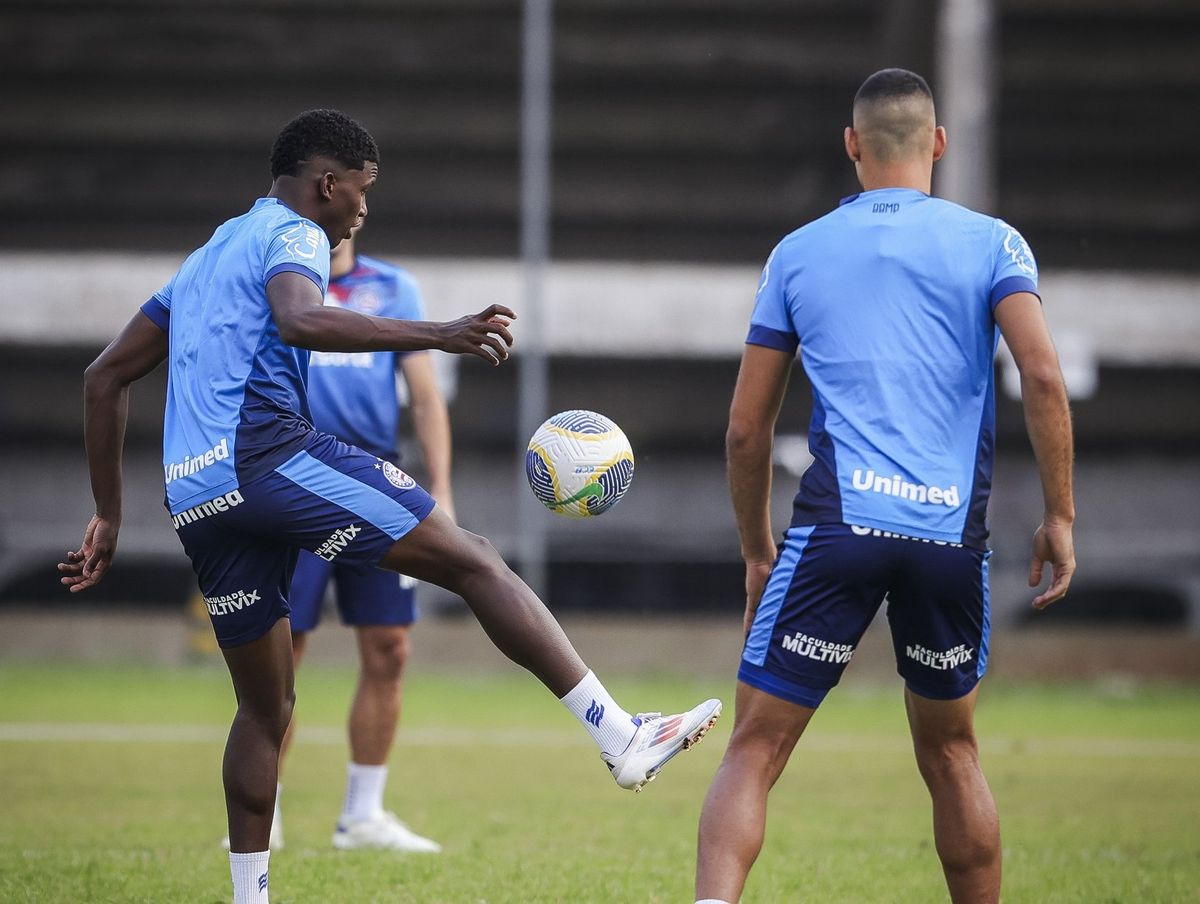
pixel 140 348
pixel 305 322
pixel 431 423
pixel 1048 421
pixel 761 383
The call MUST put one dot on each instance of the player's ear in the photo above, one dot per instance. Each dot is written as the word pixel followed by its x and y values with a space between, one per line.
pixel 326 185
pixel 939 143
pixel 850 137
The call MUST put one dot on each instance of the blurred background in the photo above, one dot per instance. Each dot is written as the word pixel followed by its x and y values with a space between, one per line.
pixel 616 171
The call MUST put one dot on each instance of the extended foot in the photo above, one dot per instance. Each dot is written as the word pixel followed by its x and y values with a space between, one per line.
pixel 383 832
pixel 657 739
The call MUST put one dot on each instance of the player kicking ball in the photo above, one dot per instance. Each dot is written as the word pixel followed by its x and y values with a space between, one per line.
pixel 354 397
pixel 250 482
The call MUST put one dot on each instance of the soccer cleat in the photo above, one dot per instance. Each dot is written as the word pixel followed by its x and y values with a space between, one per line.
pixel 382 832
pixel 657 739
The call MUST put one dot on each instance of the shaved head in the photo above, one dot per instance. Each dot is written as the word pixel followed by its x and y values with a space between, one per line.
pixel 893 116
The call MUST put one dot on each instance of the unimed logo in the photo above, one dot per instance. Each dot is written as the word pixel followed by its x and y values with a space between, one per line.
pixel 897 486
pixel 211 507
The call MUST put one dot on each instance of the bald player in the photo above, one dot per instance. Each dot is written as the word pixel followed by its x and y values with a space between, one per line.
pixel 895 300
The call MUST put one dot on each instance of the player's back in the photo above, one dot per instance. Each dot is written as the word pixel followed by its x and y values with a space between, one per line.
pixel 890 297
pixel 236 400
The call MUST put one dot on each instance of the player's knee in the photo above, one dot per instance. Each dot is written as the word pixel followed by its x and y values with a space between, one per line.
pixel 385 654
pixel 947 759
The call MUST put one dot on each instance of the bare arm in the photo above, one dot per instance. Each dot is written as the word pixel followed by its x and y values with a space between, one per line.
pixel 1048 421
pixel 139 349
pixel 761 383
pixel 305 322
pixel 431 422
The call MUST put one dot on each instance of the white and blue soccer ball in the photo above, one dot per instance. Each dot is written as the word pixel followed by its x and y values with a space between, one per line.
pixel 579 464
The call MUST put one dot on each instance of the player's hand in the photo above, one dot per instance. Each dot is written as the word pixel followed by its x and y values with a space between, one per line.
pixel 1053 544
pixel 86 566
pixel 484 334
pixel 757 574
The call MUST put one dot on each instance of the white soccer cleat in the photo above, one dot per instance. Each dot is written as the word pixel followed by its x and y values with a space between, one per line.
pixel 382 832
pixel 657 739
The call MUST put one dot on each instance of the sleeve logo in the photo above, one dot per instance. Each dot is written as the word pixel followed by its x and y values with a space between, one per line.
pixel 302 241
pixel 1018 250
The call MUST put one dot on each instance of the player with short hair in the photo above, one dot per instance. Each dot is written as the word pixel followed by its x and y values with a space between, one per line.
pixel 354 397
pixel 894 300
pixel 250 482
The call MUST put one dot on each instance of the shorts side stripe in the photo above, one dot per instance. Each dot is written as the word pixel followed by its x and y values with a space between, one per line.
pixel 363 500
pixel 773 596
pixel 982 659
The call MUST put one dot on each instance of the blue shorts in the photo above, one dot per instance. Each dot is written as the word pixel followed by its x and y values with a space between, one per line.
pixel 825 589
pixel 338 502
pixel 365 595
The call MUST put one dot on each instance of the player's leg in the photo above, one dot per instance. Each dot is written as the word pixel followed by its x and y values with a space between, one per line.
pixel 823 591
pixel 966 828
pixel 375 710
pixel 263 682
pixel 733 820
pixel 516 621
pixel 938 611
pixel 635 748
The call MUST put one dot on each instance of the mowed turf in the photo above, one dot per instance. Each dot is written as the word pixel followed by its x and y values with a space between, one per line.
pixel 111 792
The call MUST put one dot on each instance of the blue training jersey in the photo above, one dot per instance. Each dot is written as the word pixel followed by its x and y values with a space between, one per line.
pixel 236 400
pixel 890 298
pixel 353 395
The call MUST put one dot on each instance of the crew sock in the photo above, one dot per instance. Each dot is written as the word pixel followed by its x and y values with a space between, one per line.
pixel 249 873
pixel 364 792
pixel 610 726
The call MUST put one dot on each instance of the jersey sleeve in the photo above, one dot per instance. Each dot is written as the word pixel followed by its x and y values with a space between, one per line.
pixel 298 246
pixel 771 323
pixel 1014 267
pixel 158 307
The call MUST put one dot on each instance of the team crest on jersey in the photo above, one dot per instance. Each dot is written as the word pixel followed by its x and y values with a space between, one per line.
pixel 303 241
pixel 365 301
pixel 397 478
pixel 1018 250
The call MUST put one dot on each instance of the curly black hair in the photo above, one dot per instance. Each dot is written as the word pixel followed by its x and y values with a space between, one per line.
pixel 322 133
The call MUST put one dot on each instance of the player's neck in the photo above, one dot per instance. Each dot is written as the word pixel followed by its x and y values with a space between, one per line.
pixel 916 176
pixel 341 263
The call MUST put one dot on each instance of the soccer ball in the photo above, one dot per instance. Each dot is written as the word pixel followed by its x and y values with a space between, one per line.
pixel 579 464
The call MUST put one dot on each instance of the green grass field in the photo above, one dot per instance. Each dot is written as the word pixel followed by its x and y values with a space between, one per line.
pixel 111 792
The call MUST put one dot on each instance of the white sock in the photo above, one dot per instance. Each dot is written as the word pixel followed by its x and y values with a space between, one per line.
pixel 249 877
pixel 277 817
pixel 610 726
pixel 364 792
pixel 712 901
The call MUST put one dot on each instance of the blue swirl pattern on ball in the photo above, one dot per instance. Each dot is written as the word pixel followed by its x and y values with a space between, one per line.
pixel 586 422
pixel 615 481
pixel 537 469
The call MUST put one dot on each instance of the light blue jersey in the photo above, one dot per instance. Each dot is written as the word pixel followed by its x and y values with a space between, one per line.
pixel 890 298
pixel 353 396
pixel 236 401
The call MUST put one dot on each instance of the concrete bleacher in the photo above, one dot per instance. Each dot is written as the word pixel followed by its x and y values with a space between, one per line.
pixel 689 130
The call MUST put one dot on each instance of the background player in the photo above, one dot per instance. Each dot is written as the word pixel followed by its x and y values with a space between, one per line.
pixel 354 397
pixel 249 482
pixel 894 299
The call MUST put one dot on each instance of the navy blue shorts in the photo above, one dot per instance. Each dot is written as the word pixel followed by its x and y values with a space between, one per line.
pixel 340 503
pixel 827 585
pixel 365 595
